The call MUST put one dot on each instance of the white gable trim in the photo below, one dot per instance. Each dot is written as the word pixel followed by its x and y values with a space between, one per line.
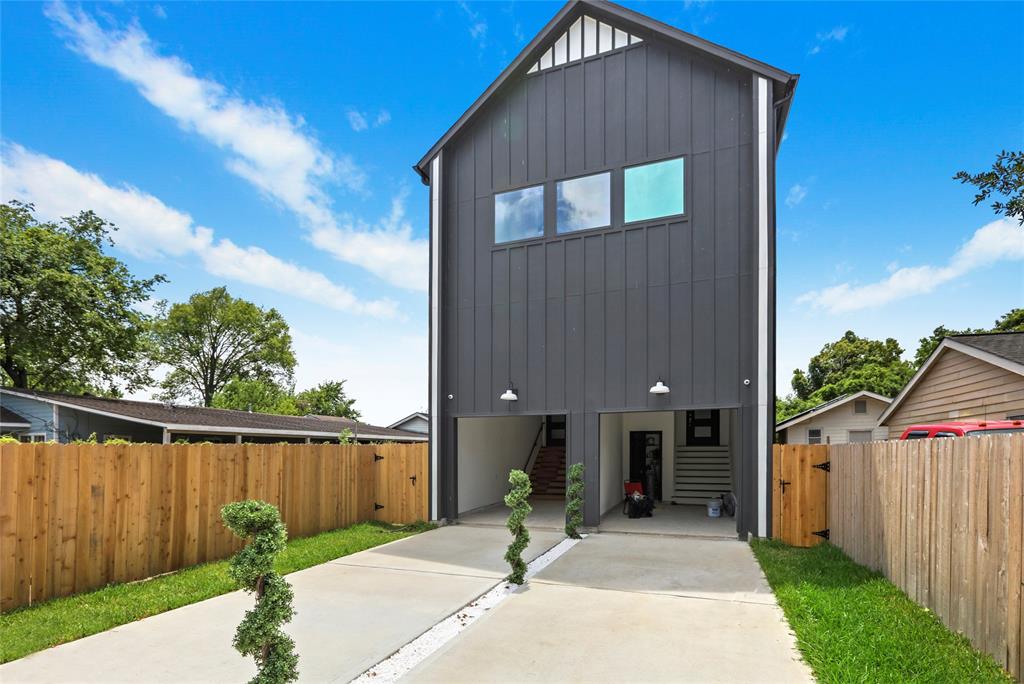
pixel 949 343
pixel 584 38
pixel 828 406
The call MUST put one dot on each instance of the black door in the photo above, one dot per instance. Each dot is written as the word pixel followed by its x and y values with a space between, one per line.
pixel 555 431
pixel 703 427
pixel 645 461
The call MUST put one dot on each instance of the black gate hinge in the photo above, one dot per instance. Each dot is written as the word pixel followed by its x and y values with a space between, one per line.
pixel 377 507
pixel 821 533
pixel 826 466
pixel 377 457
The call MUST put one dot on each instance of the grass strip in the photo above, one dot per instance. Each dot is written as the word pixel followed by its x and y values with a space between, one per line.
pixel 854 625
pixel 30 629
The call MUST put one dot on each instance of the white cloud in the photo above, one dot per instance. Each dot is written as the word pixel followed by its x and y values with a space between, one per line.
pixel 1001 240
pixel 477 25
pixel 383 117
pixel 386 248
pixel 149 229
pixel 796 195
pixel 837 34
pixel 357 121
pixel 387 374
pixel 266 145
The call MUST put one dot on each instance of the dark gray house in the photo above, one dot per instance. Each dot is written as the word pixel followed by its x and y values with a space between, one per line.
pixel 603 271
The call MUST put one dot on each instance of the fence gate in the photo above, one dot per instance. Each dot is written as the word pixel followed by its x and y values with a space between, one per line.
pixel 800 493
pixel 402 484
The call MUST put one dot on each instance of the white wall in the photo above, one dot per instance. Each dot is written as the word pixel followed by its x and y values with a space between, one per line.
pixel 654 421
pixel 611 460
pixel 488 448
pixel 836 424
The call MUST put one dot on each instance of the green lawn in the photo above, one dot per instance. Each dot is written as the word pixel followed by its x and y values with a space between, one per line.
pixel 27 630
pixel 853 625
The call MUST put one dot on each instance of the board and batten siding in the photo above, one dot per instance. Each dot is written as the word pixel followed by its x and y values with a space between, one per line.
pixel 959 387
pixel 584 323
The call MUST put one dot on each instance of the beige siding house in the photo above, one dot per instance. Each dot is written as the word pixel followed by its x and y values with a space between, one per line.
pixel 967 377
pixel 849 418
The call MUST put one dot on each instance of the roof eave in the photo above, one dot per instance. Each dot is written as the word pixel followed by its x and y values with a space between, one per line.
pixel 608 10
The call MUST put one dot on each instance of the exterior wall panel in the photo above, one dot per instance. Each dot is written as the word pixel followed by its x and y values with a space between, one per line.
pixel 584 323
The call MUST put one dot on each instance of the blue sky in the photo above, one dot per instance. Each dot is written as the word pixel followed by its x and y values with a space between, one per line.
pixel 268 147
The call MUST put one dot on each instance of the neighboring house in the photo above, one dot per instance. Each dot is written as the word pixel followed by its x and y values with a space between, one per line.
pixel 603 268
pixel 67 417
pixel 414 422
pixel 849 418
pixel 967 377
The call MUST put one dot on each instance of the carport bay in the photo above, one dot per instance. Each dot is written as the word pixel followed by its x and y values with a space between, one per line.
pixel 682 458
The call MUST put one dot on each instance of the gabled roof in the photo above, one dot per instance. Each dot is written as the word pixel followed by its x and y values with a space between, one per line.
pixel 828 406
pixel 1005 350
pixel 625 20
pixel 9 419
pixel 202 419
pixel 417 414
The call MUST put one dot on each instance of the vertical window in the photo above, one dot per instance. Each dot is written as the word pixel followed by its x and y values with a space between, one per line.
pixel 584 203
pixel 814 436
pixel 654 190
pixel 860 406
pixel 519 214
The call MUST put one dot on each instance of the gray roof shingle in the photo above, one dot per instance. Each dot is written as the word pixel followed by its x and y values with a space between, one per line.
pixel 1007 345
pixel 200 416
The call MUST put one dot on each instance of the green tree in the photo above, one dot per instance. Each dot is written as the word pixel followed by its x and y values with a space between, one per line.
pixel 213 339
pixel 1005 179
pixel 327 399
pixel 1012 320
pixel 257 395
pixel 67 310
pixel 259 635
pixel 850 364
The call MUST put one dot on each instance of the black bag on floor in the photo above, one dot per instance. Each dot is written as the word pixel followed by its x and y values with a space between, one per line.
pixel 640 507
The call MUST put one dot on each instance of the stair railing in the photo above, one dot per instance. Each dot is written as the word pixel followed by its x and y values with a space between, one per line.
pixel 533 447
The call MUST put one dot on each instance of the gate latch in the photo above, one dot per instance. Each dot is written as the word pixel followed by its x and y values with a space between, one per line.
pixel 413 478
pixel 783 483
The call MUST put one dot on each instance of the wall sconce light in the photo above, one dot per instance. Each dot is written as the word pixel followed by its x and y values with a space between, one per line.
pixel 660 388
pixel 509 394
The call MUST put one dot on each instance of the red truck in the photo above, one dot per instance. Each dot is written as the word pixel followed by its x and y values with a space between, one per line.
pixel 958 428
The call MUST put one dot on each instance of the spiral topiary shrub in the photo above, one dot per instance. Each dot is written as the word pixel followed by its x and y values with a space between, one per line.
pixel 516 500
pixel 574 501
pixel 259 635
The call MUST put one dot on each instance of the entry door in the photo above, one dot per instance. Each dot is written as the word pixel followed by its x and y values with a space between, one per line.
pixel 555 431
pixel 645 461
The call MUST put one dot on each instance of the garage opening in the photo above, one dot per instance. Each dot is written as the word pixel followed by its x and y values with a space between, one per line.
pixel 680 459
pixel 488 448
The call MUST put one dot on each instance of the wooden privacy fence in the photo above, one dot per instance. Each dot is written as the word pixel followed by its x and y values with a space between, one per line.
pixel 943 519
pixel 77 517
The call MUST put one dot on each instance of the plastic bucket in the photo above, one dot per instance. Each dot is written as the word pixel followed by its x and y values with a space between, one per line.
pixel 715 508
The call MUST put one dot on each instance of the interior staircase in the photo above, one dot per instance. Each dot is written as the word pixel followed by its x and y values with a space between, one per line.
pixel 701 473
pixel 547 476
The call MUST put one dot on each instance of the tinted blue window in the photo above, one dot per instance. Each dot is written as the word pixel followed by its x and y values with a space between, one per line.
pixel 584 203
pixel 519 214
pixel 654 190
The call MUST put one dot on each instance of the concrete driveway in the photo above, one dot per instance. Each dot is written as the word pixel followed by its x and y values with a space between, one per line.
pixel 621 608
pixel 350 614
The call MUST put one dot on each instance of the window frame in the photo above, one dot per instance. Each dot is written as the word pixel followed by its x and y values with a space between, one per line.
pixel 544 214
pixel 820 436
pixel 687 193
pixel 870 433
pixel 860 402
pixel 610 172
